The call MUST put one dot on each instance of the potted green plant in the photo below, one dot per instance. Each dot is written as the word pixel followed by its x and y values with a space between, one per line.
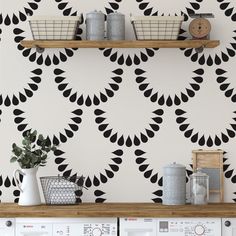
pixel 32 154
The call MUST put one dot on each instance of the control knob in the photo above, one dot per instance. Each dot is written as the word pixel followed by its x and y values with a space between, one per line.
pixel 199 230
pixel 8 223
pixel 97 232
pixel 227 223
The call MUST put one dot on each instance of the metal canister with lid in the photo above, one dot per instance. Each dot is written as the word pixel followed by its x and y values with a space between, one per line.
pixel 174 184
pixel 95 25
pixel 116 26
pixel 199 188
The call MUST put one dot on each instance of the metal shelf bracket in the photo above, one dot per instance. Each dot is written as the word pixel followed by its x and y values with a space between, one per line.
pixel 39 49
pixel 200 49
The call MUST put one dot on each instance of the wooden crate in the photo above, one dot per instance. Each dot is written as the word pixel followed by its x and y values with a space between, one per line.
pixel 211 163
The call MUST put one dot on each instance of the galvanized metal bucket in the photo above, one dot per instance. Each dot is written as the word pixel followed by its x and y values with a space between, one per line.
pixel 95 25
pixel 115 26
pixel 174 184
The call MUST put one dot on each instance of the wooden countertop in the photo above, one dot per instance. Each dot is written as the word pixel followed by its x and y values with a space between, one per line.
pixel 119 210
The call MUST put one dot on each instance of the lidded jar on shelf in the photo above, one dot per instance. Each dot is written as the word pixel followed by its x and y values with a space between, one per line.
pixel 199 188
pixel 174 184
pixel 116 26
pixel 95 25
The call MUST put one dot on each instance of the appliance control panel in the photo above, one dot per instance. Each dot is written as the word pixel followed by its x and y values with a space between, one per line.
pixel 85 229
pixel 65 227
pixel 189 226
pixel 37 228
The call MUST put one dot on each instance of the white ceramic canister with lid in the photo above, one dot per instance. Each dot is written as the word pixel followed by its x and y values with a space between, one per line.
pixel 174 184
pixel 116 26
pixel 95 25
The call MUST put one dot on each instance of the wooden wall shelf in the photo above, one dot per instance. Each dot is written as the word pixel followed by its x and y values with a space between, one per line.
pixel 119 210
pixel 120 44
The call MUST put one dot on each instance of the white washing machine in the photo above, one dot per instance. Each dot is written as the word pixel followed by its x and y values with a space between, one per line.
pixel 66 227
pixel 170 226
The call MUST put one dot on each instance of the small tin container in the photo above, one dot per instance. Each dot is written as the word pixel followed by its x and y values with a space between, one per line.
pixel 115 26
pixel 199 188
pixel 174 184
pixel 95 25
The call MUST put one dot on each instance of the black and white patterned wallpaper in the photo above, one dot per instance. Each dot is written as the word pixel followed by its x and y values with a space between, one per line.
pixel 118 115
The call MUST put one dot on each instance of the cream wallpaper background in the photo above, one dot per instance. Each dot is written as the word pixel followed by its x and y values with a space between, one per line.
pixel 118 115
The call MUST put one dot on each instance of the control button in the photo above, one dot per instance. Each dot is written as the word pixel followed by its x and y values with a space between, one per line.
pixel 97 232
pixel 8 223
pixel 227 223
pixel 199 230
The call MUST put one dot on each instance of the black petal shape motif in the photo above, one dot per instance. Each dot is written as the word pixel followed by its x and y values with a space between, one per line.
pixel 100 200
pixel 233 179
pixel 66 8
pixel 95 180
pixel 28 91
pixel 130 140
pixel 148 10
pixel 98 193
pixel 203 140
pixel 20 15
pixel 169 100
pixel 129 59
pixel 7 182
pixel 225 85
pixel 73 127
pixel 88 100
pixel 45 58
pixel 149 172
pixel 145 167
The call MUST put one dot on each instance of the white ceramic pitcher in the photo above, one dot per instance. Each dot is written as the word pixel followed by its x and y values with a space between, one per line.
pixel 29 190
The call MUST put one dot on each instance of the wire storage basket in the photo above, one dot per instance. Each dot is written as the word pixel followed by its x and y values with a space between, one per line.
pixel 156 27
pixel 62 190
pixel 54 27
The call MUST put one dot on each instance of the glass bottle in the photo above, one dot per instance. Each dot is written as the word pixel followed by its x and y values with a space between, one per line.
pixel 199 188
